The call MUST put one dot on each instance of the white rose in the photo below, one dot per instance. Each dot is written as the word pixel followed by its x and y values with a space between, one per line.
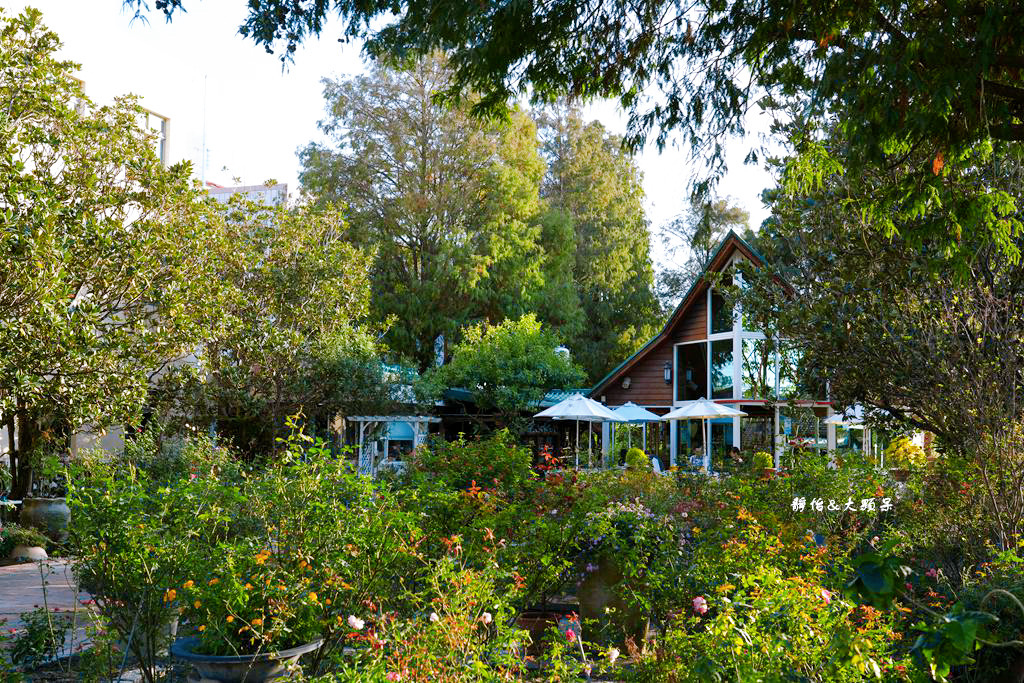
pixel 613 654
pixel 486 617
pixel 434 618
pixel 355 622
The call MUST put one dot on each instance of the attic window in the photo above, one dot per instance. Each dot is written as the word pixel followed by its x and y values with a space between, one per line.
pixel 721 313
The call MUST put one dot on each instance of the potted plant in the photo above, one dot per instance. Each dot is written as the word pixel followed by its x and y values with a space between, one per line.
pixel 629 550
pixel 763 464
pixel 903 455
pixel 47 509
pixel 26 544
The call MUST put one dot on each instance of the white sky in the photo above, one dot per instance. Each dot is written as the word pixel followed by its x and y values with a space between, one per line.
pixel 257 116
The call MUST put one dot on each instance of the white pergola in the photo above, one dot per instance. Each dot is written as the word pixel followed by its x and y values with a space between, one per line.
pixel 369 455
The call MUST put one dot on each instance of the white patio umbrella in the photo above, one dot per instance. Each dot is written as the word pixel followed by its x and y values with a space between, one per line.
pixel 578 407
pixel 852 418
pixel 703 410
pixel 631 412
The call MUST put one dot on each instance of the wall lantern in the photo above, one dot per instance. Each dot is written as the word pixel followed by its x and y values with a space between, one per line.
pixel 626 382
pixel 668 372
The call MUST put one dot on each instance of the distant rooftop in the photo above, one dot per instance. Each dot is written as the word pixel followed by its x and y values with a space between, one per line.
pixel 266 194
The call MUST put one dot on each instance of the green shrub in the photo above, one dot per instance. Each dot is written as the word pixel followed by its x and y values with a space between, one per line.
pixel 14 535
pixel 636 459
pixel 41 639
pixel 762 460
pixel 492 462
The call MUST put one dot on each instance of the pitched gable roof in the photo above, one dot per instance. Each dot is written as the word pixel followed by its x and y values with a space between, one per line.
pixel 729 245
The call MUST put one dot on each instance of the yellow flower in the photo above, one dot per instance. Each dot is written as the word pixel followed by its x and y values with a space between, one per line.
pixel 312 596
pixel 188 584
pixel 213 582
pixel 196 604
pixel 202 628
pixel 170 595
pixel 257 622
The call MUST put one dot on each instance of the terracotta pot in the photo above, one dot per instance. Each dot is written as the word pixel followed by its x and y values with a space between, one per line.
pixel 49 515
pixel 899 474
pixel 538 624
pixel 265 666
pixel 597 594
pixel 22 553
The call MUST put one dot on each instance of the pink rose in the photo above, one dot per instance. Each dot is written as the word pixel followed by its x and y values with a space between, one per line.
pixel 570 635
pixel 932 573
pixel 826 596
pixel 393 676
pixel 700 605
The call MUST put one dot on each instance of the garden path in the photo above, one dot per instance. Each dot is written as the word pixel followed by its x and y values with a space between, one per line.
pixel 21 589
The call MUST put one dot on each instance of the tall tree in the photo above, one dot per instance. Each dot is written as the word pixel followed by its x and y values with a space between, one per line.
pixel 448 202
pixel 104 269
pixel 690 240
pixel 894 324
pixel 596 184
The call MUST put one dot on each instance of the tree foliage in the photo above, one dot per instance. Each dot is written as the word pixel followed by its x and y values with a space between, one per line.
pixel 904 80
pixel 104 275
pixel 894 323
pixel 593 182
pixel 447 202
pixel 295 303
pixel 508 368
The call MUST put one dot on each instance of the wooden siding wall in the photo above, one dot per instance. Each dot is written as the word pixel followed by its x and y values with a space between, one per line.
pixel 694 323
pixel 647 378
pixel 647 381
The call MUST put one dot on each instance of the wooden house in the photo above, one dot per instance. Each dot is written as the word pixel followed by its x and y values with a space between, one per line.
pixel 704 351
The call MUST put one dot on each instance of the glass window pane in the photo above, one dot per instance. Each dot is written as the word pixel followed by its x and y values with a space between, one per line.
pixel 758 369
pixel 691 372
pixel 721 314
pixel 690 444
pixel 721 368
pixel 721 441
pixel 756 430
pixel 794 379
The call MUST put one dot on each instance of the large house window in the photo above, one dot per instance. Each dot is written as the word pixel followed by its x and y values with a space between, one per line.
pixel 758 369
pixel 691 371
pixel 721 312
pixel 721 368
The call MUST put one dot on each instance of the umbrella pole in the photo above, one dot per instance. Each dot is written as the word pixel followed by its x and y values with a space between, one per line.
pixel 643 426
pixel 590 444
pixel 707 444
pixel 577 444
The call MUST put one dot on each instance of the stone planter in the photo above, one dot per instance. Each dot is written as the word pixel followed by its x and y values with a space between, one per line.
pixel 49 515
pixel 265 666
pixel 25 553
pixel 597 594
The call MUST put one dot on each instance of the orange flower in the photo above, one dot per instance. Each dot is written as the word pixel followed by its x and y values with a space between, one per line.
pixel 213 582
pixel 230 619
pixel 327 601
pixel 196 604
pixel 312 596
pixel 188 584
pixel 202 627
pixel 170 595
pixel 257 622
pixel 248 586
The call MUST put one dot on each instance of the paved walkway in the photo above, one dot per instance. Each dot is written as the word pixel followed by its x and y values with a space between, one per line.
pixel 22 589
